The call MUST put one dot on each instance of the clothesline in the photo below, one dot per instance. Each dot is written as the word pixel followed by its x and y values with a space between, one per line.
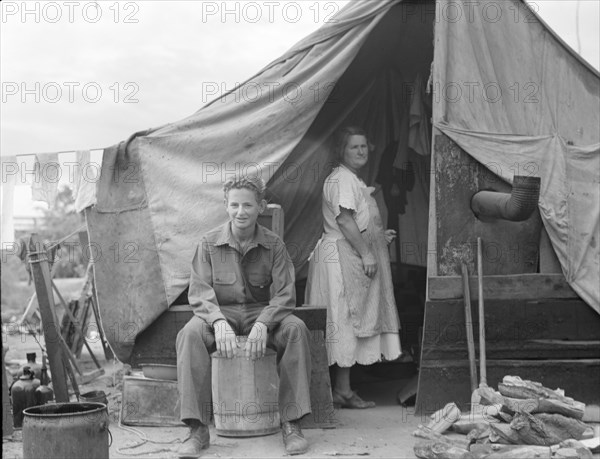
pixel 53 152
pixel 45 187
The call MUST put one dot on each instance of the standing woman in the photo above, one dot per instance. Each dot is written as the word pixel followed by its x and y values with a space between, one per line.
pixel 350 271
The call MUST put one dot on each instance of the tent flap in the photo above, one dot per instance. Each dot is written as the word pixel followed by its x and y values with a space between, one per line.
pixel 509 93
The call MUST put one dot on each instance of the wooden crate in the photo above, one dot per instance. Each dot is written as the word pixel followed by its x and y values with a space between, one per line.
pixel 553 341
pixel 156 344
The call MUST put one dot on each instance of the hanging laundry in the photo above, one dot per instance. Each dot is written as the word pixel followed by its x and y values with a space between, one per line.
pixel 47 176
pixel 395 182
pixel 401 152
pixel 419 134
pixel 82 159
pixel 9 180
pixel 84 188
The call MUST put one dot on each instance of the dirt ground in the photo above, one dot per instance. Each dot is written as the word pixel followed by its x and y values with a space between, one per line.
pixel 384 431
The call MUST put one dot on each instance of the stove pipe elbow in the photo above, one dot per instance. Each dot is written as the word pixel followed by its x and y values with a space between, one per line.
pixel 516 206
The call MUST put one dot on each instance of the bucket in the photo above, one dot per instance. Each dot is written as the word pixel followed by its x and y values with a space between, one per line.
pixel 245 394
pixel 94 396
pixel 66 431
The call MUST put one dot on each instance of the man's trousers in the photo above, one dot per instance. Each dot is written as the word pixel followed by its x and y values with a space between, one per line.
pixel 196 341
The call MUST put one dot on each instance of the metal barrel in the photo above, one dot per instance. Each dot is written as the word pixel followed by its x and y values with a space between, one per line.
pixel 66 431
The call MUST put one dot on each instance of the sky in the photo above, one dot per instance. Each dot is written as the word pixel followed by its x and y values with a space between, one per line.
pixel 81 75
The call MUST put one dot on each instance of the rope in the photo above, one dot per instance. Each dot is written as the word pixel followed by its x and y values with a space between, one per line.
pixel 145 440
pixel 82 227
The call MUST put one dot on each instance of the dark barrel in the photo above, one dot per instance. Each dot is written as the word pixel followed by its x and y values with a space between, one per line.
pixel 66 431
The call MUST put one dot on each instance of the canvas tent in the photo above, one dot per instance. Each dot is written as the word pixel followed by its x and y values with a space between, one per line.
pixel 501 85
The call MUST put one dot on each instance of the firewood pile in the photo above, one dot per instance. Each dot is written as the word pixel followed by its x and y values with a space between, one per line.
pixel 523 419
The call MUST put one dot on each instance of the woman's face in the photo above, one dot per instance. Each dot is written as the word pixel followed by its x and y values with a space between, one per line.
pixel 356 152
pixel 243 208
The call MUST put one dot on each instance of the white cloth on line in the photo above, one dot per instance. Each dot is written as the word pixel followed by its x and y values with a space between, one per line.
pixel 47 175
pixel 8 201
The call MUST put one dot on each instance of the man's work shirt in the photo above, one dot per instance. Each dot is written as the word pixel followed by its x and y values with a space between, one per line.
pixel 222 275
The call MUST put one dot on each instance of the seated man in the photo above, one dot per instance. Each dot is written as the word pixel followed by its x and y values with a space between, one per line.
pixel 234 271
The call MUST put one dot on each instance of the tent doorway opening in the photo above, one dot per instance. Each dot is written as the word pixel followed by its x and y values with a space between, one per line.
pixel 387 91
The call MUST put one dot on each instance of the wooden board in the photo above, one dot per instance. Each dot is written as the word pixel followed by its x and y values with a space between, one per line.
pixel 516 286
pixel 322 412
pixel 441 381
pixel 273 219
pixel 541 349
pixel 511 321
pixel 508 247
pixel 156 344
pixel 546 340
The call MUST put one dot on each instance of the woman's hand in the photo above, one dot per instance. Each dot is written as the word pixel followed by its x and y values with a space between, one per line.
pixel 389 235
pixel 369 264
pixel 225 339
pixel 351 232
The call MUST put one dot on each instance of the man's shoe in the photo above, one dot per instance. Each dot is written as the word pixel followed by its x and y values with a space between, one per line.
pixel 293 440
pixel 198 440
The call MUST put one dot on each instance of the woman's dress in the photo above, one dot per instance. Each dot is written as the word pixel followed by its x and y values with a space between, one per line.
pixel 362 319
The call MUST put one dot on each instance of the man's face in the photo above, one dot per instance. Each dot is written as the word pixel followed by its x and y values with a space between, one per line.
pixel 243 208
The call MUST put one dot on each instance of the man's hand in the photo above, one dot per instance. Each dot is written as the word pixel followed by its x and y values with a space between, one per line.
pixel 225 339
pixel 256 345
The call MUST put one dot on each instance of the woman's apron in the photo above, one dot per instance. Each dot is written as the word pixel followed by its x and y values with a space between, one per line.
pixel 370 300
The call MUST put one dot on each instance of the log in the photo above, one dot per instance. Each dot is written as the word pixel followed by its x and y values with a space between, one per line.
pixel 440 450
pixel 514 386
pixel 542 405
pixel 582 451
pixel 566 453
pixel 535 404
pixel 540 429
pixel 489 412
pixel 443 419
pixel 503 433
pixel 510 452
pixel 490 396
pixel 505 417
pixel 476 435
pixel 593 444
pixel 428 434
pixel 464 426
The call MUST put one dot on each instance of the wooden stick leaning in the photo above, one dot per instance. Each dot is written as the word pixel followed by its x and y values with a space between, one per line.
pixel 469 327
pixel 482 359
